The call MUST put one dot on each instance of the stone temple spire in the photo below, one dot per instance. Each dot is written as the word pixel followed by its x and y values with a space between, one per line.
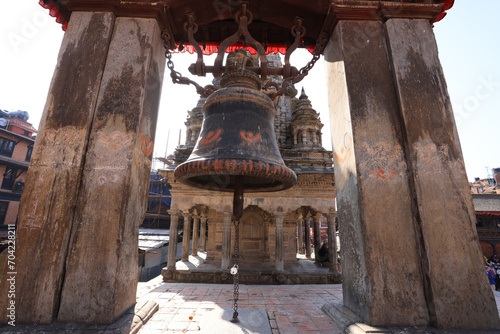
pixel 305 125
pixel 193 123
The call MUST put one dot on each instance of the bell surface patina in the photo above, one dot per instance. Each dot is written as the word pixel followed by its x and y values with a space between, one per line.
pixel 237 138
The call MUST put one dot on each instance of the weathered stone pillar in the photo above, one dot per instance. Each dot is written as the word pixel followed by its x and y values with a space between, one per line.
pixel 300 236
pixel 374 198
pixel 317 236
pixel 186 236
pixel 332 243
pixel 203 232
pixel 400 182
pixel 56 170
pixel 457 294
pixel 279 242
pixel 307 229
pixel 172 242
pixel 226 241
pixel 196 233
pixel 87 186
pixel 101 267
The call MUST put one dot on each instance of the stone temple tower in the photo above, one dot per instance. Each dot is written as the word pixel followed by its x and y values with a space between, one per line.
pixel 305 125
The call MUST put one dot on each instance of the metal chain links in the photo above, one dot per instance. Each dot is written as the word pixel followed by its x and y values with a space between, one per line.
pixel 236 280
pixel 177 78
pixel 297 30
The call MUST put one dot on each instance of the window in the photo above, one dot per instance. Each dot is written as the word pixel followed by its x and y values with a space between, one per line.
pixel 6 147
pixel 28 154
pixel 3 211
pixel 18 187
pixel 8 178
pixel 26 133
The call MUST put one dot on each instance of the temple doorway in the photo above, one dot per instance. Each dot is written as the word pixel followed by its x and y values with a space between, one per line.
pixel 253 240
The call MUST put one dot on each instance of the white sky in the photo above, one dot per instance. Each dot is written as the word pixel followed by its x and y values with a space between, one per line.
pixel 468 41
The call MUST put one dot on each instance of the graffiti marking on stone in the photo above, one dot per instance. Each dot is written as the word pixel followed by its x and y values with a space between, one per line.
pixel 147 145
pixel 381 174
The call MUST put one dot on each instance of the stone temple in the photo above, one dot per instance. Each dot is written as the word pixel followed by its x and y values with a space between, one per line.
pixel 268 217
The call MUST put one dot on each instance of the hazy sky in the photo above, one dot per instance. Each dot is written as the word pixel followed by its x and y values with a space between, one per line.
pixel 468 41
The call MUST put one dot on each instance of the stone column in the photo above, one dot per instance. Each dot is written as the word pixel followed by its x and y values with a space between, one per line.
pixel 203 242
pixel 332 243
pixel 307 225
pixel 399 176
pixel 115 179
pixel 56 170
pixel 279 242
pixel 172 242
pixel 457 294
pixel 317 236
pixel 86 189
pixel 196 233
pixel 300 236
pixel 374 198
pixel 226 241
pixel 186 236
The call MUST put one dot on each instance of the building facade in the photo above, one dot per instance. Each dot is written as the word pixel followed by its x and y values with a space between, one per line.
pixel 17 138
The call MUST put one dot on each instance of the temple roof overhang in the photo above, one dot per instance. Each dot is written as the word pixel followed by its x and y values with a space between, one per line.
pixel 271 20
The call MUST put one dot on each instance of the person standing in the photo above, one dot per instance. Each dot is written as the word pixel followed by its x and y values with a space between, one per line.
pixel 491 276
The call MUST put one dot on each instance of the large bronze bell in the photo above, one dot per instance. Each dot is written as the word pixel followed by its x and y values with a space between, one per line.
pixel 237 138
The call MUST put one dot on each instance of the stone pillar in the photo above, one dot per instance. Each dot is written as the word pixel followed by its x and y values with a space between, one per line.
pixel 307 229
pixel 172 242
pixel 457 294
pixel 300 236
pixel 186 236
pixel 279 242
pixel 226 241
pixel 203 232
pixel 317 236
pixel 86 190
pixel 332 243
pixel 374 198
pixel 196 233
pixel 399 176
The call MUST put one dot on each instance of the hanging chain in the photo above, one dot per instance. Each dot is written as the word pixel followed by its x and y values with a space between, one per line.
pixel 235 272
pixel 297 30
pixel 177 78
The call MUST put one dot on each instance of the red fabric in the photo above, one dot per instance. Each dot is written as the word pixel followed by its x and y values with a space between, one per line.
pixel 488 213
pixel 213 47
pixel 54 12
pixel 447 6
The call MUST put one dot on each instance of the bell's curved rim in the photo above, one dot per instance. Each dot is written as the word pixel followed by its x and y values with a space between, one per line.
pixel 282 176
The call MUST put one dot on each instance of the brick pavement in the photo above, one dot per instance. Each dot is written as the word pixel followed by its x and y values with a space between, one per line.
pixel 291 308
